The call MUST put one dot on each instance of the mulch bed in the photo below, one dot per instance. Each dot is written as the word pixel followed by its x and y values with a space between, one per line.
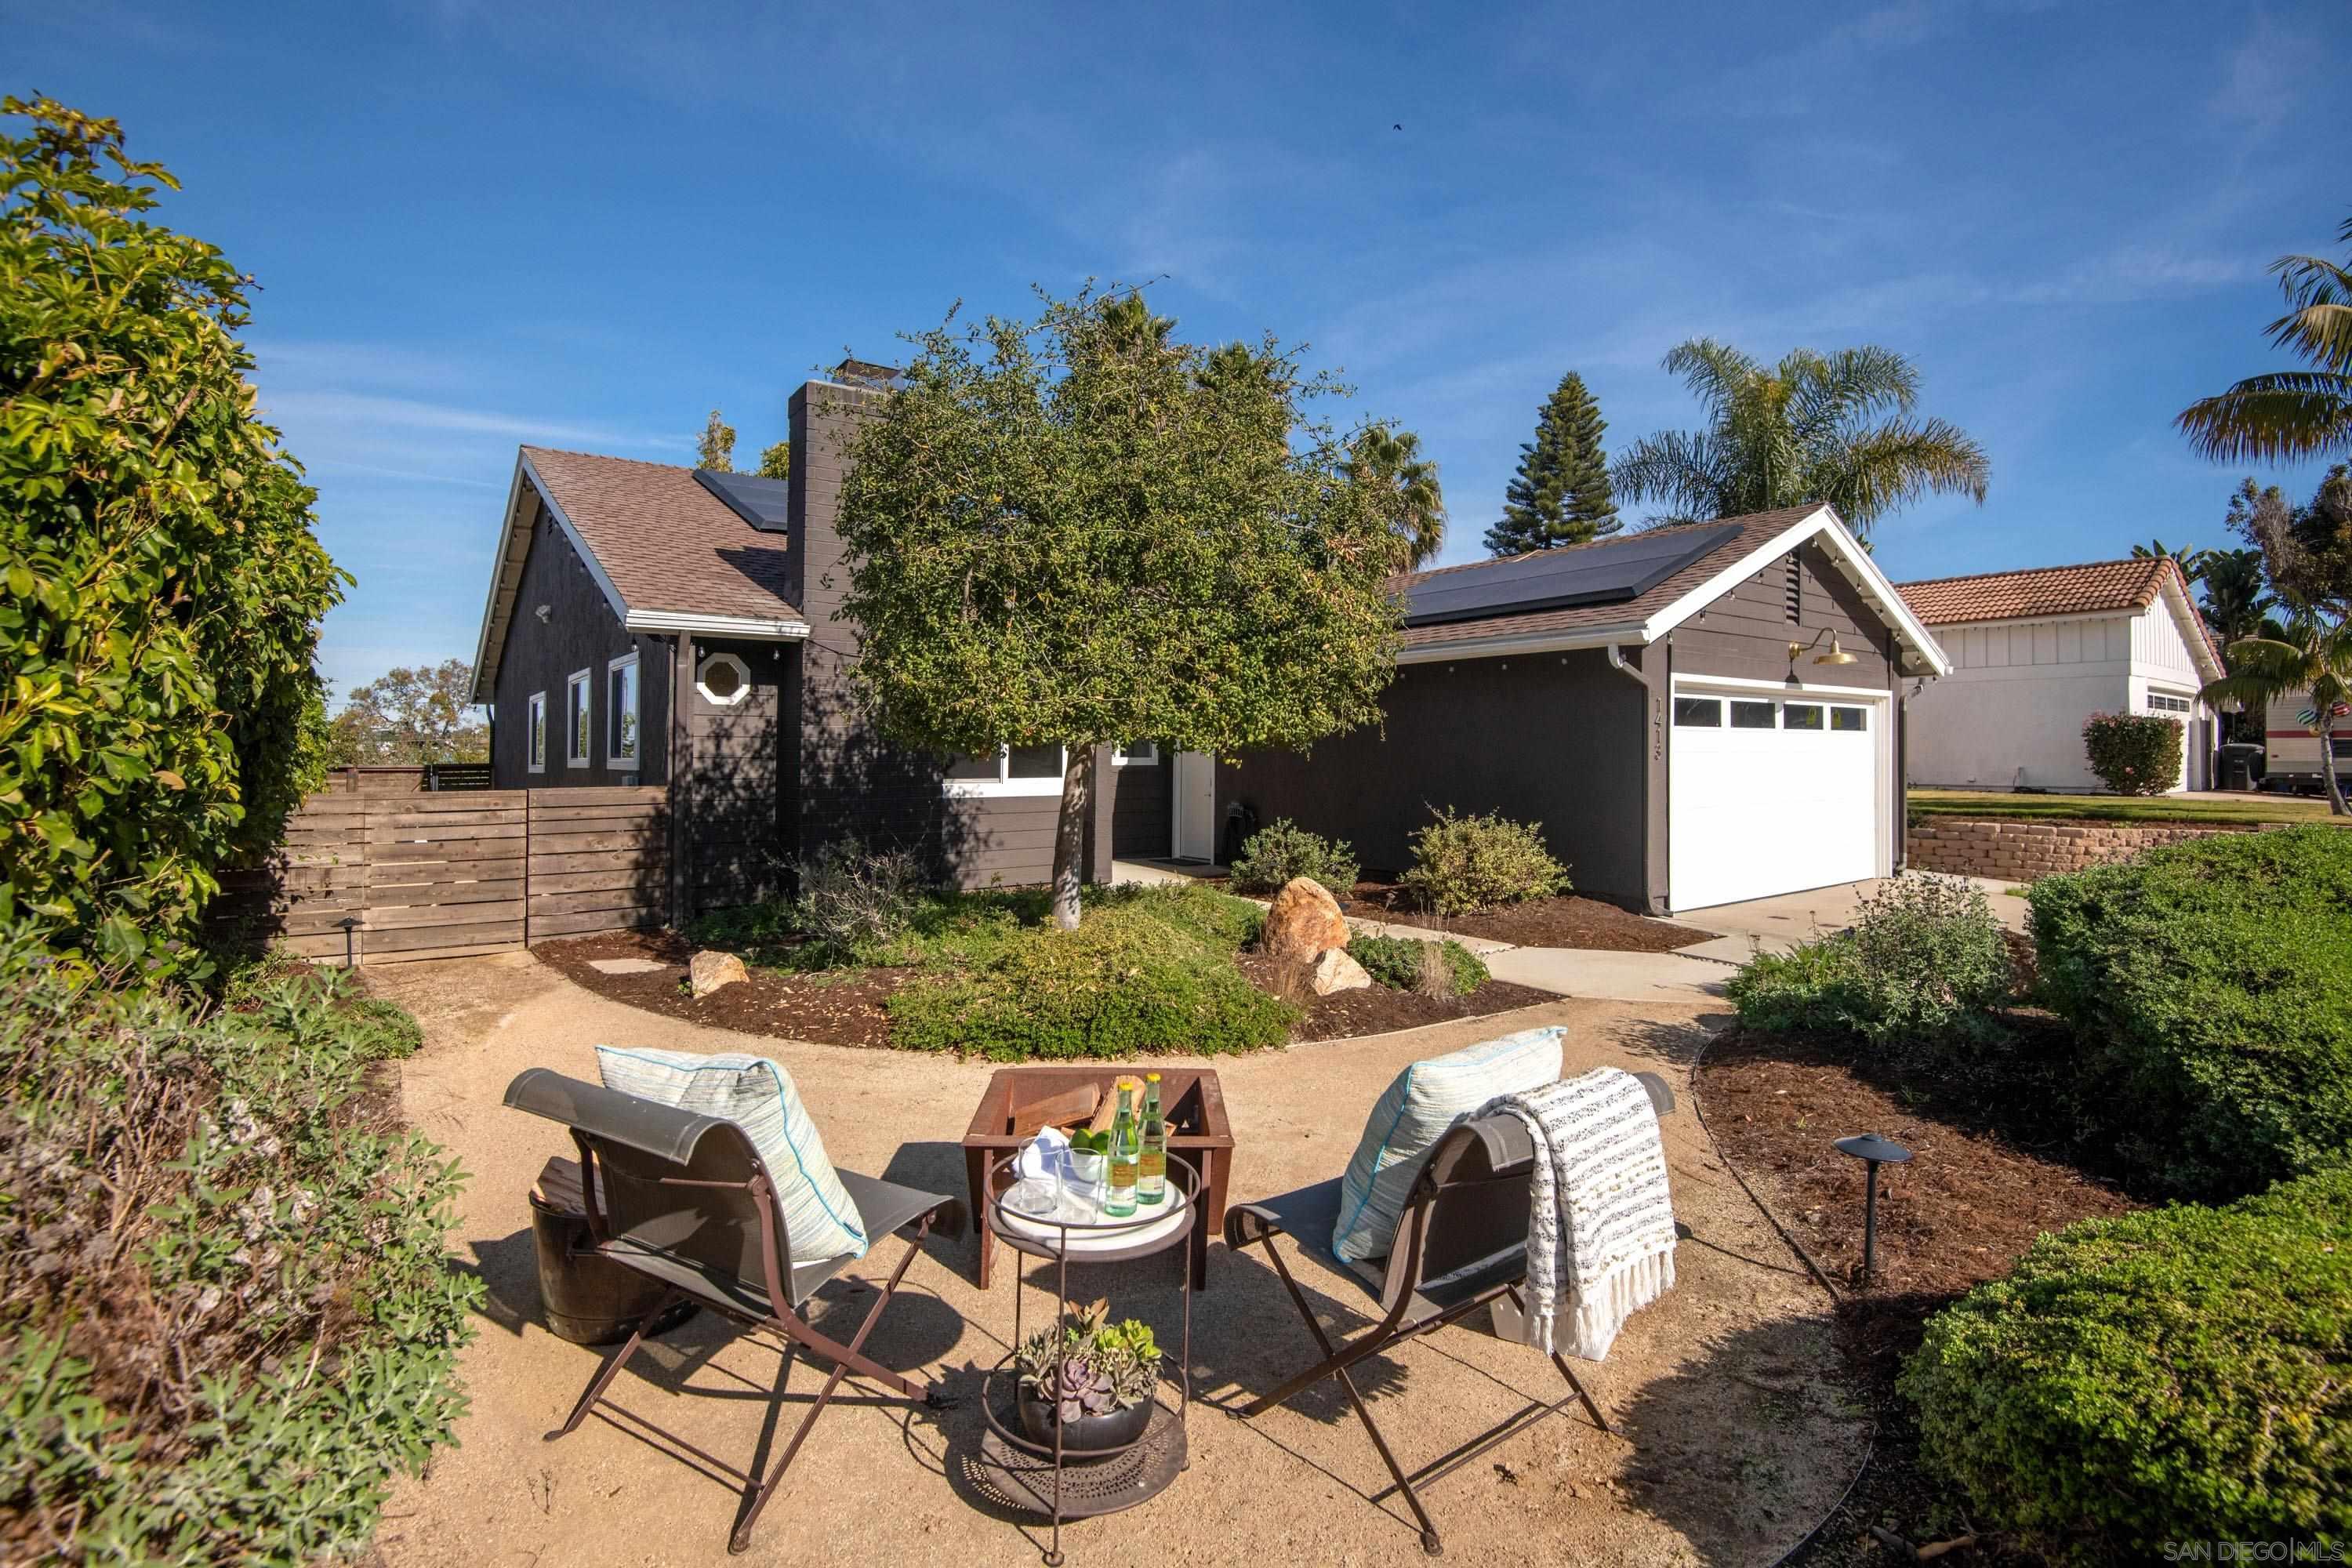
pixel 1566 920
pixel 844 1007
pixel 1970 1201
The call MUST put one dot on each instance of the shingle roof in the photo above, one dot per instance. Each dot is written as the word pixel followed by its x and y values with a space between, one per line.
pixel 1757 527
pixel 667 542
pixel 2041 591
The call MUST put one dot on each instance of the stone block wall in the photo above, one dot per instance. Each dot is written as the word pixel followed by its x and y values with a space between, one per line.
pixel 2020 851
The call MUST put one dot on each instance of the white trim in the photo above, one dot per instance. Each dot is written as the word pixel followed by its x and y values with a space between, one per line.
pixel 742 680
pixel 613 758
pixel 1144 756
pixel 485 674
pixel 534 734
pixel 752 627
pixel 2189 624
pixel 1801 689
pixel 1004 785
pixel 580 681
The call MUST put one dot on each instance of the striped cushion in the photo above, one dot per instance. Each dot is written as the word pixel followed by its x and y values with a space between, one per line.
pixel 820 1220
pixel 1424 1103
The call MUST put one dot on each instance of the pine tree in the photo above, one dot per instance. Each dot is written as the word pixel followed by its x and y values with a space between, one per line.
pixel 1561 494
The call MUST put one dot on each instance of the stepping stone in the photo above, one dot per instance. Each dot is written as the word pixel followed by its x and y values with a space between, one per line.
pixel 626 965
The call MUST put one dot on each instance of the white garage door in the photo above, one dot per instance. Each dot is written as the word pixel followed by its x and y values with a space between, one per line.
pixel 1770 794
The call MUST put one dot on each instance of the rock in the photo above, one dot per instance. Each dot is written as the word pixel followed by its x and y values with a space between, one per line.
pixel 1304 923
pixel 711 970
pixel 1335 971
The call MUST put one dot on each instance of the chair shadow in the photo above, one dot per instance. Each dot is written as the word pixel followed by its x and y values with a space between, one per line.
pixel 1675 1044
pixel 1250 1349
pixel 508 1268
pixel 935 1166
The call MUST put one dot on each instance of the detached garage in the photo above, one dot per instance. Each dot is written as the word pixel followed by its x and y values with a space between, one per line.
pixel 1698 714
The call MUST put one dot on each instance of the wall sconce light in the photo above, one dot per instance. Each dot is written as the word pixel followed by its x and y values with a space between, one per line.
pixel 546 610
pixel 1835 655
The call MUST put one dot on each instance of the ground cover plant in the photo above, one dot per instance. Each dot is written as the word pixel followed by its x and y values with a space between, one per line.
pixel 226 1315
pixel 1282 851
pixel 1466 865
pixel 1404 964
pixel 2134 753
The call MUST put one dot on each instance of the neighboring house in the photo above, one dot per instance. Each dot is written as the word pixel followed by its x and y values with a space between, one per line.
pixel 1658 701
pixel 2036 653
pixel 2291 736
pixel 657 625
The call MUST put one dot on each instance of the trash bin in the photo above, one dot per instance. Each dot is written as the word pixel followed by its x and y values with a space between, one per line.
pixel 2239 762
pixel 588 1299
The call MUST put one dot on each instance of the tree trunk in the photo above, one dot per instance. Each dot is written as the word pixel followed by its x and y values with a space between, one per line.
pixel 1070 836
pixel 2328 775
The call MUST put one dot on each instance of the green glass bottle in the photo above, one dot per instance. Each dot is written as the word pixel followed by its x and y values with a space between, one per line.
pixel 1152 1167
pixel 1119 1201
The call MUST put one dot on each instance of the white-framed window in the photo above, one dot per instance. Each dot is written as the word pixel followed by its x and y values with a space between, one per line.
pixel 1698 713
pixel 1849 719
pixel 621 713
pixel 2164 703
pixel 723 679
pixel 1007 771
pixel 534 739
pixel 579 715
pixel 1747 715
pixel 1136 754
pixel 1800 716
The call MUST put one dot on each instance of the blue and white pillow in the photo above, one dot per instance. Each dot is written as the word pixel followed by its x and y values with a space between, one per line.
pixel 1420 1108
pixel 821 1222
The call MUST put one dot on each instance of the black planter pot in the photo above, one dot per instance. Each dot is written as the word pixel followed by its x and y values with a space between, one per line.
pixel 1087 1434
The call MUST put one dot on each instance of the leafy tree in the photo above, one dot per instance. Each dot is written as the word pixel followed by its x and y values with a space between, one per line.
pixel 2314 657
pixel 2191 560
pixel 2294 413
pixel 2236 606
pixel 411 717
pixel 1390 462
pixel 715 447
pixel 1072 532
pixel 776 461
pixel 2306 550
pixel 1561 493
pixel 160 588
pixel 1831 428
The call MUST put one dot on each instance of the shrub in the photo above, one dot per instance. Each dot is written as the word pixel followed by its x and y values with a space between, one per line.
pixel 1149 971
pixel 225 1294
pixel 2181 1374
pixel 2209 984
pixel 1925 964
pixel 1282 850
pixel 1400 962
pixel 850 900
pixel 1466 865
pixel 2134 753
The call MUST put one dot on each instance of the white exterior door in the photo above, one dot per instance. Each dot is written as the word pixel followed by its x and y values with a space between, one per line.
pixel 1774 790
pixel 1195 810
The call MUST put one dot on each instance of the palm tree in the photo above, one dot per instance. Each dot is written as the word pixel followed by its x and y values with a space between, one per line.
pixel 2193 563
pixel 2291 413
pixel 2314 656
pixel 1411 497
pixel 1815 427
pixel 2237 605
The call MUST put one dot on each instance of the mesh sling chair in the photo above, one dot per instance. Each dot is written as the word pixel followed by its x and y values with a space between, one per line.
pixel 683 1200
pixel 1460 1245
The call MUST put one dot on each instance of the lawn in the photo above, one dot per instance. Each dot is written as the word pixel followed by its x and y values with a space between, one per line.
pixel 2007 804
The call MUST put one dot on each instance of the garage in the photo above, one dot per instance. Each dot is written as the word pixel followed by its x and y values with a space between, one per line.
pixel 1773 791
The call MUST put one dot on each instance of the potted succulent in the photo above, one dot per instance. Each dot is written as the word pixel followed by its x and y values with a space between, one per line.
pixel 1092 1377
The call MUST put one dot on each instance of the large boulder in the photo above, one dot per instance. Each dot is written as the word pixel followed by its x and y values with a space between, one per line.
pixel 1304 923
pixel 1335 971
pixel 711 969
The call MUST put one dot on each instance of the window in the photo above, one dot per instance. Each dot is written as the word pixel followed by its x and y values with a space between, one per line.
pixel 578 711
pixel 2161 702
pixel 1698 713
pixel 724 680
pixel 534 741
pixel 1019 770
pixel 1856 719
pixel 2341 746
pixel 1752 716
pixel 621 713
pixel 1137 754
pixel 1800 716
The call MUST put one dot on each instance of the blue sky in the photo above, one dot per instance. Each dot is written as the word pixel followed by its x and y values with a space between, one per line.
pixel 584 225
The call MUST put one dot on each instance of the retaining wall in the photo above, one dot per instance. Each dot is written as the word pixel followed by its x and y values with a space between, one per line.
pixel 2020 851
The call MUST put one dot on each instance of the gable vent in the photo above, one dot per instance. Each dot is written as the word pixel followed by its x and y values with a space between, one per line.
pixel 1796 588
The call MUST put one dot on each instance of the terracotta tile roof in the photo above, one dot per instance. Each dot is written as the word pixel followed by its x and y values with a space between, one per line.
pixel 1756 527
pixel 2041 591
pixel 667 542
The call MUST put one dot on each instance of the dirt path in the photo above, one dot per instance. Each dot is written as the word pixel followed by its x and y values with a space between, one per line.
pixel 1735 1435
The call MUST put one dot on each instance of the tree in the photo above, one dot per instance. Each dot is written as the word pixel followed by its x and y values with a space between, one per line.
pixel 1561 493
pixel 2236 606
pixel 776 461
pixel 2313 657
pixel 1816 428
pixel 2192 560
pixel 160 588
pixel 1406 482
pixel 715 447
pixel 2306 550
pixel 411 717
pixel 1069 533
pixel 2296 413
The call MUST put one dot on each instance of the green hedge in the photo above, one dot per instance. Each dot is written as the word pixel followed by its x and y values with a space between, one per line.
pixel 2181 1376
pixel 2134 753
pixel 1467 865
pixel 2210 987
pixel 1282 850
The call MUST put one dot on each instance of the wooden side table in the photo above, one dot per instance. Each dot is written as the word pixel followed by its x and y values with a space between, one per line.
pixel 1198 1134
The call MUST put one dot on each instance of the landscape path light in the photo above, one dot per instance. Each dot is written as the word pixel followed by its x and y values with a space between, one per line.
pixel 1874 1151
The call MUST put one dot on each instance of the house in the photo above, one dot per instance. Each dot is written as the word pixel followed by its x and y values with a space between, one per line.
pixel 649 624
pixel 1697 715
pixel 2035 652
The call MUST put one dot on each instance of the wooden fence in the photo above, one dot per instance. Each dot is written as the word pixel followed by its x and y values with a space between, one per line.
pixel 447 874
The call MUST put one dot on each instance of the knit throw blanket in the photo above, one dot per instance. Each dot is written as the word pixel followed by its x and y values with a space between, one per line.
pixel 1600 1231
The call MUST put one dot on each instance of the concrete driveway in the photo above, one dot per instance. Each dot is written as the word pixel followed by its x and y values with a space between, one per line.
pixel 1786 920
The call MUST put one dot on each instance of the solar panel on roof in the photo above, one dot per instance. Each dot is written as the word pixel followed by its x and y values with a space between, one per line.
pixel 1603 574
pixel 759 501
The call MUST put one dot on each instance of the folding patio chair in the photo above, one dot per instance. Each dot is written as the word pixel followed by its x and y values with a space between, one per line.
pixel 1460 1245
pixel 684 1200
